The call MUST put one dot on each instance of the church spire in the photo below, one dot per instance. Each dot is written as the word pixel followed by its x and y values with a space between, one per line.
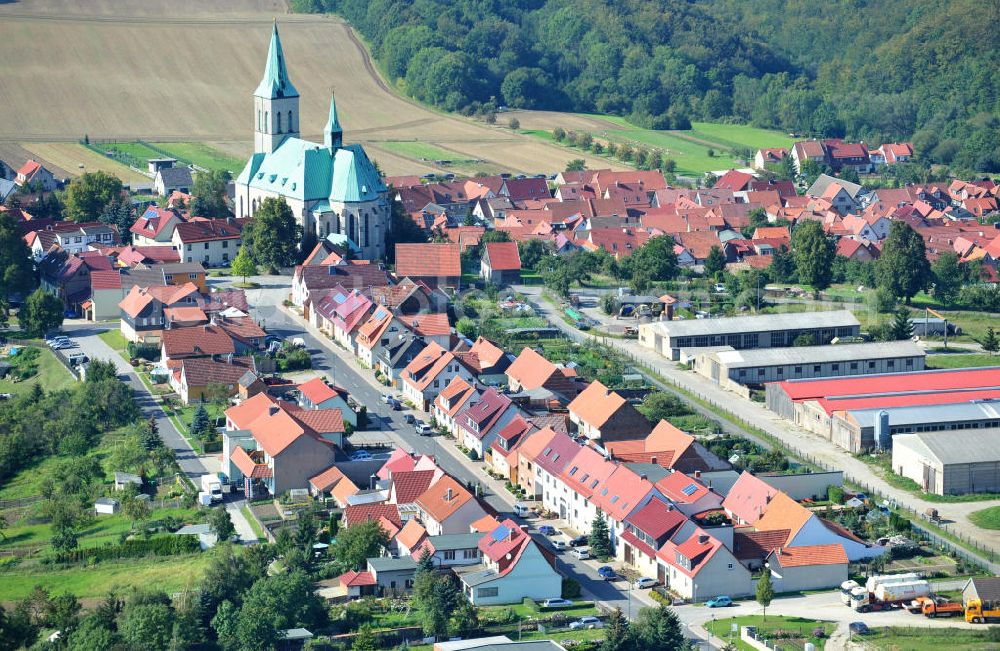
pixel 333 134
pixel 275 83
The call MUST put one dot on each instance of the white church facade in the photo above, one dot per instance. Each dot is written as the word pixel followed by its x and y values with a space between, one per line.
pixel 331 188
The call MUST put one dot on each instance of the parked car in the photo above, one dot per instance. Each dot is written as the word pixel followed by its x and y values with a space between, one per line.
pixel 719 288
pixel 299 342
pixel 582 553
pixel 386 398
pixel 644 582
pixel 361 455
pixel 579 541
pixel 423 429
pixel 586 623
pixel 722 601
pixel 409 419
pixel 558 544
pixel 557 603
pixel 858 628
pixel 547 530
pixel 607 573
pixel 395 405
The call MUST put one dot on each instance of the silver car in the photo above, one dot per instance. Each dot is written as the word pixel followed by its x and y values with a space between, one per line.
pixel 586 623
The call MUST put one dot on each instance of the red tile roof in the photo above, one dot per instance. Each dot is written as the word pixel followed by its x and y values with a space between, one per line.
pixel 199 340
pixel 657 519
pixel 810 555
pixel 748 498
pixel 428 260
pixel 105 280
pixel 503 256
pixel 318 391
pixel 428 325
pixel 929 382
pixel 208 230
pixel 245 413
pixel 399 461
pixel 327 479
pixel 408 486
pixel 412 534
pixel 354 579
pixel 756 545
pixel 358 513
pixel 248 466
pixel 443 498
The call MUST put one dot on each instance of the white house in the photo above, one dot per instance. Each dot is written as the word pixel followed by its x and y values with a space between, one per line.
pixel 515 569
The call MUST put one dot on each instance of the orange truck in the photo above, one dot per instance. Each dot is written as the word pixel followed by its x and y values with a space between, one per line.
pixel 936 607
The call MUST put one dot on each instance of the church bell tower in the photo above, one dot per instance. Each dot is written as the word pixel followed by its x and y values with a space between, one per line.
pixel 276 102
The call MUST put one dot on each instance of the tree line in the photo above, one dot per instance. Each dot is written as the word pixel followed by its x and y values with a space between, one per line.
pixel 863 70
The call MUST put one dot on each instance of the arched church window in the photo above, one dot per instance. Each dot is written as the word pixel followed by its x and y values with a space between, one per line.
pixel 279 122
pixel 267 122
pixel 291 127
pixel 366 230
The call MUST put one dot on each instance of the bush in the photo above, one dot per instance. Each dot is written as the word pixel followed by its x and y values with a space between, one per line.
pixel 294 359
pixel 835 494
pixel 156 546
pixel 819 633
pixel 993 634
pixel 571 588
pixel 148 352
pixel 473 455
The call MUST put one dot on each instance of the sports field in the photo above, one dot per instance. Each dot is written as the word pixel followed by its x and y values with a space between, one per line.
pixel 107 75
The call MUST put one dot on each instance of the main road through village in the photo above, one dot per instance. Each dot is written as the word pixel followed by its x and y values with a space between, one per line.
pixel 266 307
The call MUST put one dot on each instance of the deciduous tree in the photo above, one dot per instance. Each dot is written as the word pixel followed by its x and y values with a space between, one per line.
pixel 714 262
pixel 813 252
pixel 273 235
pixel 222 524
pixel 89 195
pixel 357 543
pixel 765 591
pixel 243 264
pixel 41 313
pixel 209 194
pixel 902 267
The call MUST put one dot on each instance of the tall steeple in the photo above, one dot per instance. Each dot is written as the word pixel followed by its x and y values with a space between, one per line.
pixel 276 101
pixel 333 134
pixel 275 83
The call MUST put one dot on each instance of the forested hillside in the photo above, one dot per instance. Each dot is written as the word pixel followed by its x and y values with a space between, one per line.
pixel 877 70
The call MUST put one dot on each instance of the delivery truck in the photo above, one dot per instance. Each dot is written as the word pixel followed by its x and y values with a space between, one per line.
pixel 845 591
pixel 978 611
pixel 211 485
pixel 934 606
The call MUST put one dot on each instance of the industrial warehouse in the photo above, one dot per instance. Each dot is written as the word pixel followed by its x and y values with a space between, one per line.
pixel 947 463
pixel 669 338
pixel 811 403
pixel 858 430
pixel 738 369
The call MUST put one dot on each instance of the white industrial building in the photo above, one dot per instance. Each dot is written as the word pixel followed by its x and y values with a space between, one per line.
pixel 744 332
pixel 856 429
pixel 950 463
pixel 737 368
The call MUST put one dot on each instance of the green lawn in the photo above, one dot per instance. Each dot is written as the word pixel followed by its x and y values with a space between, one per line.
pixel 929 639
pixel 986 518
pixel 200 154
pixel 257 530
pixel 51 374
pixel 138 151
pixel 102 529
pixel 115 339
pixel 688 148
pixel 523 611
pixel 800 629
pixel 169 574
pixel 951 360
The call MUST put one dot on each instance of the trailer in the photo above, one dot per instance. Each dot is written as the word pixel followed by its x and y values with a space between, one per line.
pixel 888 596
pixel 875 580
pixel 845 591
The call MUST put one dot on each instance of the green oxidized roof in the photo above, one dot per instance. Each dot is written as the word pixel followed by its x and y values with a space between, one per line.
pixel 275 83
pixel 333 122
pixel 300 169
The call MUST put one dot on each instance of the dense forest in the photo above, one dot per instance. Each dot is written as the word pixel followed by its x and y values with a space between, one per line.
pixel 873 70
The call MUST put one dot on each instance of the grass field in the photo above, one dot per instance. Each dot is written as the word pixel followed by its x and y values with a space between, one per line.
pixel 202 155
pixel 952 360
pixel 51 374
pixel 986 518
pixel 169 574
pixel 690 149
pixel 929 639
pixel 97 54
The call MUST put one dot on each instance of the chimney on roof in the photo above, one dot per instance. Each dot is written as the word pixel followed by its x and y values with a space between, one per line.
pixel 449 495
pixel 653 461
pixel 697 474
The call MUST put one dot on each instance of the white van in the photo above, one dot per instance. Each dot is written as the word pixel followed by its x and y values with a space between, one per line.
pixel 522 510
pixel 582 553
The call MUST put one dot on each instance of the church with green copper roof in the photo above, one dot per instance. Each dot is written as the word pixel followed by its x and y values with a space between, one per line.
pixel 333 189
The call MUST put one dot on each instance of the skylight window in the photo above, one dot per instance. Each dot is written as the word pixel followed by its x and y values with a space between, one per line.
pixel 614 499
pixel 593 485
pixel 555 458
pixel 573 471
pixel 583 480
pixel 547 452
pixel 604 492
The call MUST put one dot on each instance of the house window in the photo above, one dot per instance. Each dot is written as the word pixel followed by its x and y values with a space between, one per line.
pixel 206 246
pixel 892 363
pixel 225 244
pixel 189 248
pixel 730 566
pixel 487 592
pixel 817 368
pixel 470 553
pixel 449 554
pixel 192 276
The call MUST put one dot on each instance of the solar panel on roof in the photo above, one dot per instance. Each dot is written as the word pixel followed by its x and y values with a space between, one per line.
pixel 690 489
pixel 500 533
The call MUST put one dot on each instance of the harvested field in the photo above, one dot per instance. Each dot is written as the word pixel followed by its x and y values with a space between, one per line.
pixel 70 156
pixel 103 80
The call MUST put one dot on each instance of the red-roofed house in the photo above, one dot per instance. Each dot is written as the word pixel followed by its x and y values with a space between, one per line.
pixel 698 566
pixel 734 180
pixel 689 495
pixel 406 487
pixel 501 263
pixel 532 371
pixel 34 174
pixel 501 455
pixel 645 531
pixel 668 447
pixel 155 226
pixel 437 265
pixel 448 507
pixel 480 423
pixel 430 372
pixel 601 414
pixel 202 341
pixel 451 401
pixel 317 393
pixel 334 483
pixel 810 567
pixel 515 569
